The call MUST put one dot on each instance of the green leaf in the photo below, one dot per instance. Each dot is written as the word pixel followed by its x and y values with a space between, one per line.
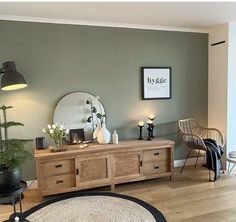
pixel 5 107
pixel 14 153
pixel 11 123
pixel 89 120
pixel 99 115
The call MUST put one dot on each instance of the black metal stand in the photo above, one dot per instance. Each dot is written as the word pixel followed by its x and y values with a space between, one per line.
pixel 16 217
pixel 13 194
pixel 140 132
pixel 149 132
pixel 8 200
pixel 152 129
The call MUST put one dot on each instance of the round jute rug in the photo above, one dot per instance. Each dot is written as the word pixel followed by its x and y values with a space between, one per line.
pixel 94 207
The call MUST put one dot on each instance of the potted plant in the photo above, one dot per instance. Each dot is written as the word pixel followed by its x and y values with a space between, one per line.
pixel 57 132
pixel 12 155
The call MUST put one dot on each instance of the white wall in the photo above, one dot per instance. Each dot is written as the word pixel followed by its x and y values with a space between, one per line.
pixel 217 79
pixel 221 86
pixel 231 113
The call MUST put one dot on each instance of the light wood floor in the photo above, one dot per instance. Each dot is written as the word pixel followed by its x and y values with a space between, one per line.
pixel 189 197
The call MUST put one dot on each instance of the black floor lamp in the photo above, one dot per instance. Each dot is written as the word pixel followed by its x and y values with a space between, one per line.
pixel 11 80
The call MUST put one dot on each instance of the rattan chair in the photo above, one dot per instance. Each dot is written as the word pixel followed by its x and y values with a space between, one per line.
pixel 193 135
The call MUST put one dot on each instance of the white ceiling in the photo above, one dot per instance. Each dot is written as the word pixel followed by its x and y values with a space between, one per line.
pixel 193 15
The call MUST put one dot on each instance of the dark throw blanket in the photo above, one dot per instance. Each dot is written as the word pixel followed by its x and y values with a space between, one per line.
pixel 214 153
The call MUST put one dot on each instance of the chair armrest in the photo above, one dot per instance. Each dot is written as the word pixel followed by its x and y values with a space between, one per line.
pixel 193 141
pixel 215 134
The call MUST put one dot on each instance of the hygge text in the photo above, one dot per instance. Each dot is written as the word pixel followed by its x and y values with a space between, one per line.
pixel 156 81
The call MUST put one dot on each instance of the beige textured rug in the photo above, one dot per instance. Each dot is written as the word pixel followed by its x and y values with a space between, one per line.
pixel 106 207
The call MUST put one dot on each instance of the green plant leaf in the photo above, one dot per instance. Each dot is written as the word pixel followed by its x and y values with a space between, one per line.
pixel 12 151
pixel 5 107
pixel 11 123
pixel 89 120
pixel 99 115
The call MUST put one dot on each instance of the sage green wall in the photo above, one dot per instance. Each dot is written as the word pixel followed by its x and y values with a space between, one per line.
pixel 59 59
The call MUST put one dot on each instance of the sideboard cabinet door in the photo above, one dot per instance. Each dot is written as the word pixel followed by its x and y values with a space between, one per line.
pixel 93 171
pixel 126 166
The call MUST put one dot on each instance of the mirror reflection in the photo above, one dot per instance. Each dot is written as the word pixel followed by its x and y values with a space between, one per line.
pixel 80 110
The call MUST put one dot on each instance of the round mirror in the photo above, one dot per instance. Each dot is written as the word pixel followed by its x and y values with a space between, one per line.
pixel 79 111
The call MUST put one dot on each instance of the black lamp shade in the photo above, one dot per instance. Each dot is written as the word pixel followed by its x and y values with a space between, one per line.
pixel 11 79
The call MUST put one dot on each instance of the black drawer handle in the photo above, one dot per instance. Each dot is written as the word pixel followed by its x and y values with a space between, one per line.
pixel 156 154
pixel 59 181
pixel 58 166
pixel 156 167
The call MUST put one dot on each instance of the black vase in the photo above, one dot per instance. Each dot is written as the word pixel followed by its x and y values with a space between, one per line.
pixel 10 179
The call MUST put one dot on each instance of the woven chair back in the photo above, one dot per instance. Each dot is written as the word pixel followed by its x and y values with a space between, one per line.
pixel 190 126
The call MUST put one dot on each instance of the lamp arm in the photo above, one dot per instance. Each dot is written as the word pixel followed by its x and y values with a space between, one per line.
pixel 1 148
pixel 2 70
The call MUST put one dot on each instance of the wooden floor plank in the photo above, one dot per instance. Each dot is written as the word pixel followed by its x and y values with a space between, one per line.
pixel 189 197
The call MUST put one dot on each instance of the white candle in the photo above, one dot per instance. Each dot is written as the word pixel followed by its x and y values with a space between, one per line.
pixel 151 117
pixel 149 121
pixel 140 123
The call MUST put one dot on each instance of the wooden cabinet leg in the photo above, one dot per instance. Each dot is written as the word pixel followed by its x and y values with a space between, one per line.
pixel 112 187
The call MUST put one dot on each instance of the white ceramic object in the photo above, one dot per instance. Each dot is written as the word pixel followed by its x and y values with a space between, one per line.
pixel 95 133
pixel 103 136
pixel 115 137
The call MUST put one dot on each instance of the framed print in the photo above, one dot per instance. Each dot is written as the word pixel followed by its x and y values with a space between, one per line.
pixel 156 83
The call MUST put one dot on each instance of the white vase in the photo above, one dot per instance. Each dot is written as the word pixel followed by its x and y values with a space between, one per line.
pixel 95 133
pixel 115 137
pixel 103 136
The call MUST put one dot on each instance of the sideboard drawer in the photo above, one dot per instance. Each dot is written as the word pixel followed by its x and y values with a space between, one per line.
pixel 156 154
pixel 156 167
pixel 60 181
pixel 58 167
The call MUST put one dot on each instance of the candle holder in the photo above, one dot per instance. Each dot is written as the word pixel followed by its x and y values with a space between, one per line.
pixel 140 132
pixel 151 119
pixel 152 129
pixel 149 131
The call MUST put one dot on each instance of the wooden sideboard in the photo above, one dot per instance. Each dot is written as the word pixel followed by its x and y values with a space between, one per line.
pixel 102 165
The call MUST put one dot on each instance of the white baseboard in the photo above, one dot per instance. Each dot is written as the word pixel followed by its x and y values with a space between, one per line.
pixel 190 161
pixel 33 184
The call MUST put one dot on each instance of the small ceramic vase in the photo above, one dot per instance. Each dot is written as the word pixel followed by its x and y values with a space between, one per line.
pixel 95 133
pixel 103 136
